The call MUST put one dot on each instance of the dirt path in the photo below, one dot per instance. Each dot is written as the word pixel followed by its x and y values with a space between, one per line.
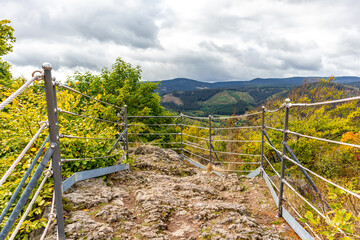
pixel 161 198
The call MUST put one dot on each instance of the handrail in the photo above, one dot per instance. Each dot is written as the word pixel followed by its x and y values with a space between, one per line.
pixel 22 154
pixel 19 91
pixel 23 180
pixel 325 102
pixel 47 174
pixel 26 194
pixel 53 150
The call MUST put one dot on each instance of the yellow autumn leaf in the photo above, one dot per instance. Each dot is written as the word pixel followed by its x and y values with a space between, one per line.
pixel 33 149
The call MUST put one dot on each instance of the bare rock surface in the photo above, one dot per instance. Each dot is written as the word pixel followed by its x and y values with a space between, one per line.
pixel 164 198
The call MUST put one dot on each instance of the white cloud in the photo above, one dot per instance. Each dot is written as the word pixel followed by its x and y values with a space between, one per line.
pixel 205 40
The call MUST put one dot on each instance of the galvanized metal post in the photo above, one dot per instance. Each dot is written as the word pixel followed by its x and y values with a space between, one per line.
pixel 281 191
pixel 50 90
pixel 181 135
pixel 126 134
pixel 119 133
pixel 210 157
pixel 262 138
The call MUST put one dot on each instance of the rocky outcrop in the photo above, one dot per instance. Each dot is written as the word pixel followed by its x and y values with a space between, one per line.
pixel 164 198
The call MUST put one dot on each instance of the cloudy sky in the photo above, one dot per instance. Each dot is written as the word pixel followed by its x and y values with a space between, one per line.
pixel 208 40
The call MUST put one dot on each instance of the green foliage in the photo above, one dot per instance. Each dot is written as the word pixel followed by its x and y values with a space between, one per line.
pixel 19 122
pixel 6 40
pixel 121 86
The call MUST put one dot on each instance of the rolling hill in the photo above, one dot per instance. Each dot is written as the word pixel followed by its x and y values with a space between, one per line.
pixel 185 84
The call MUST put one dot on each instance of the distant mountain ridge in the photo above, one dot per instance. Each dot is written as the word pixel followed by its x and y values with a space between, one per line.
pixel 185 84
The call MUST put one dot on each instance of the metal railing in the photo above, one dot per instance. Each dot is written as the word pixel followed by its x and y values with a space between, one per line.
pixel 196 145
pixel 53 152
pixel 196 138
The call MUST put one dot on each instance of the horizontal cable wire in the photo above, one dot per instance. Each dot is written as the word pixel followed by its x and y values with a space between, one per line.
pixel 317 175
pixel 234 128
pixel 276 129
pixel 153 133
pixel 226 140
pixel 196 155
pixel 85 116
pixel 18 92
pixel 193 146
pixel 176 116
pixel 278 174
pixel 243 163
pixel 160 143
pixel 237 116
pixel 85 159
pixel 275 110
pixel 243 171
pixel 195 137
pixel 323 139
pixel 144 124
pixel 22 154
pixel 95 99
pixel 325 102
pixel 238 154
pixel 192 143
pixel 78 137
pixel 193 126
pixel 198 118
pixel 46 176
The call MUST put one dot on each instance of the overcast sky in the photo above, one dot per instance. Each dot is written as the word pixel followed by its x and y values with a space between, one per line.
pixel 208 40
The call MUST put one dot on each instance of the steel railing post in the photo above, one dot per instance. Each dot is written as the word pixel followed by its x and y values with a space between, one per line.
pixel 50 90
pixel 126 134
pixel 262 138
pixel 281 191
pixel 181 135
pixel 119 132
pixel 210 157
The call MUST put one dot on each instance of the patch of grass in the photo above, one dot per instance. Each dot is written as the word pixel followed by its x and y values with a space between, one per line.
pixel 277 222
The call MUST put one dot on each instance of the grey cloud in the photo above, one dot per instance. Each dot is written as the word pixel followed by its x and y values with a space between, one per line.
pixel 58 55
pixel 134 27
pixel 302 62
pixel 216 43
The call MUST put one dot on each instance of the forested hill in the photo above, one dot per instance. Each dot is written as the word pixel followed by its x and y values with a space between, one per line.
pixel 185 84
pixel 219 101
pixel 238 100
